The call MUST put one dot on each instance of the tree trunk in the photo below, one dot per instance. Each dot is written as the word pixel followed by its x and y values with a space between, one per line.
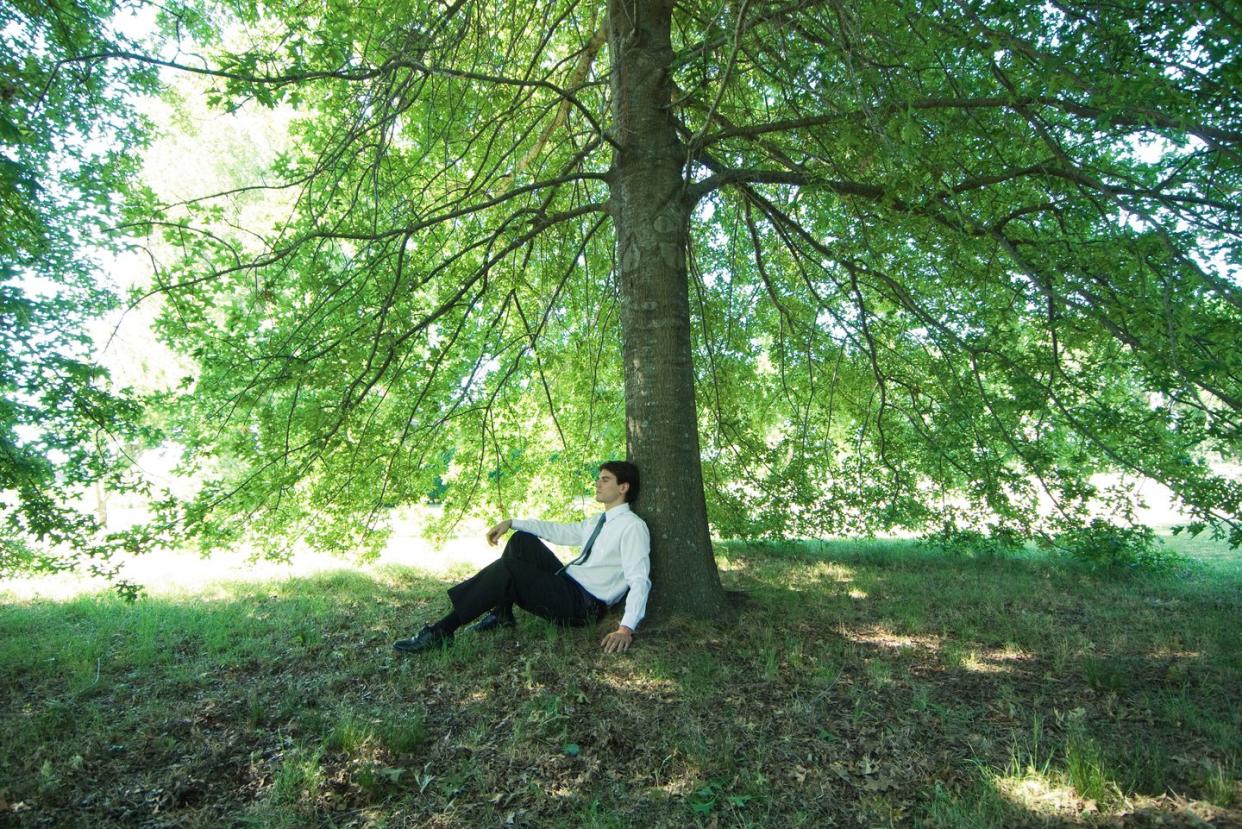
pixel 651 215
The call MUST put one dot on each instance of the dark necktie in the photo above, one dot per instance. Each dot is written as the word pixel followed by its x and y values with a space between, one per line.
pixel 586 549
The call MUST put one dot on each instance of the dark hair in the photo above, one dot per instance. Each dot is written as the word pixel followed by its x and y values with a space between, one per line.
pixel 627 473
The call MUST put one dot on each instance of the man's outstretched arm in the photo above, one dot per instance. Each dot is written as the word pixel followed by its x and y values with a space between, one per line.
pixel 574 535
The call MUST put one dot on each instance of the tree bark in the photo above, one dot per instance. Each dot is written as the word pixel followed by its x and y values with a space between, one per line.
pixel 651 213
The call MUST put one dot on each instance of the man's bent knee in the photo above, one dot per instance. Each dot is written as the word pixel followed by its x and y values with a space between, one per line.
pixel 519 540
pixel 523 547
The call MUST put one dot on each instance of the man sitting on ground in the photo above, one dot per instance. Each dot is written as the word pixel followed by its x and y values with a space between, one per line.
pixel 615 558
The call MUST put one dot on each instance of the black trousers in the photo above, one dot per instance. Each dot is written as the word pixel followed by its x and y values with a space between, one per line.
pixel 527 574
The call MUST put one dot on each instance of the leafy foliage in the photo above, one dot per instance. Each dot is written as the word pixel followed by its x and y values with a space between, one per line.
pixel 355 363
pixel 946 261
pixel 1101 544
pixel 997 543
pixel 941 268
pixel 68 163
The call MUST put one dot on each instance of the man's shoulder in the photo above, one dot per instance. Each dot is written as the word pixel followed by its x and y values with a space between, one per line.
pixel 630 518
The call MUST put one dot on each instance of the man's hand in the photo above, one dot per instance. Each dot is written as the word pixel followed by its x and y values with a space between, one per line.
pixel 619 640
pixel 494 534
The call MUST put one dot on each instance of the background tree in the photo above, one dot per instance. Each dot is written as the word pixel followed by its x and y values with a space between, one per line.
pixel 924 264
pixel 69 155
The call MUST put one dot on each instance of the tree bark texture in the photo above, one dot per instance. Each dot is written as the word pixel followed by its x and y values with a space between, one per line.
pixel 651 214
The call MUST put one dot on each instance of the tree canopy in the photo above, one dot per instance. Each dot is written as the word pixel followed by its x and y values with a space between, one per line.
pixel 937 263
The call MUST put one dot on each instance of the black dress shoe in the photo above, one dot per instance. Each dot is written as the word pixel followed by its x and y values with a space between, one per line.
pixel 425 640
pixel 492 620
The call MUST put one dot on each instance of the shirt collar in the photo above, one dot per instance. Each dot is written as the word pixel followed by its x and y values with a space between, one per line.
pixel 619 509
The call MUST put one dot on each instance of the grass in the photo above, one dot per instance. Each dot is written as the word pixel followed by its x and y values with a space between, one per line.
pixel 871 684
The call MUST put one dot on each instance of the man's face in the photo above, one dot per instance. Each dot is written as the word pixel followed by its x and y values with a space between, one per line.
pixel 607 490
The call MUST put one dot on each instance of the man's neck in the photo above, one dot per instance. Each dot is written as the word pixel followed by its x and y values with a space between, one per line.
pixel 613 504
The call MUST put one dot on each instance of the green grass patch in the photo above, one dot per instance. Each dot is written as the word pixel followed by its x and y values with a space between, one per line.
pixel 863 683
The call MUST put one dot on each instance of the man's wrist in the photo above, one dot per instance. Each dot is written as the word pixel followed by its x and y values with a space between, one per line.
pixel 628 630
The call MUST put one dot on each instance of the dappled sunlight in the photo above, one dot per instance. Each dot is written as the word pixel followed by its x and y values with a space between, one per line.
pixel 1170 654
pixel 881 637
pixel 644 683
pixel 1041 794
pixel 973 662
pixel 729 564
pixel 681 786
pixel 801 577
pixel 832 571
pixel 977 660
pixel 990 661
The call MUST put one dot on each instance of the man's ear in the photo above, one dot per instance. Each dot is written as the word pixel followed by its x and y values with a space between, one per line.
pixel 625 488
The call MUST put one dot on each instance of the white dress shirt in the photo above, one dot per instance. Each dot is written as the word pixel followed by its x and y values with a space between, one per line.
pixel 620 559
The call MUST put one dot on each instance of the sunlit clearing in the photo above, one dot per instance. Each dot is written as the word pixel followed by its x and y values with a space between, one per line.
pixel 178 573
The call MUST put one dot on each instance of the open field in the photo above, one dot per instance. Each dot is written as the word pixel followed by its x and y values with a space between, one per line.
pixel 862 684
